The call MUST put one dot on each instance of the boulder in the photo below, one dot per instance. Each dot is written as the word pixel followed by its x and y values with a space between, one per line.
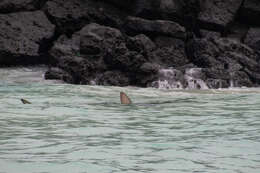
pixel 96 54
pixel 24 37
pixel 141 43
pixel 216 14
pixel 70 16
pixel 135 25
pixel 225 60
pixel 55 73
pixel 114 78
pixel 170 52
pixel 7 6
pixel 157 9
pixel 253 39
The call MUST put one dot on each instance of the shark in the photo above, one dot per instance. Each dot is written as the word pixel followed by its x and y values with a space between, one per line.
pixel 125 99
pixel 25 101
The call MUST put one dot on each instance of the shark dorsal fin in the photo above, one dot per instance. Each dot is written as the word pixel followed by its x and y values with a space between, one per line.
pixel 25 101
pixel 124 98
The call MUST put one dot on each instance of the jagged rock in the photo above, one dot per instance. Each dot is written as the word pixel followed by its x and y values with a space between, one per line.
pixel 24 37
pixel 154 27
pixel 98 49
pixel 250 12
pixel 206 33
pixel 141 43
pixel 225 60
pixel 126 4
pixel 171 52
pixel 253 39
pixel 216 14
pixel 237 31
pixel 157 9
pixel 94 38
pixel 8 6
pixel 70 16
pixel 114 78
pixel 58 74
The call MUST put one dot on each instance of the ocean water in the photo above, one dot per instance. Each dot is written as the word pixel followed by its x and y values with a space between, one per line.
pixel 85 129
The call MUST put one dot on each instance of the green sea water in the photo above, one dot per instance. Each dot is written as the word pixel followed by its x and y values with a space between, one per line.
pixel 85 129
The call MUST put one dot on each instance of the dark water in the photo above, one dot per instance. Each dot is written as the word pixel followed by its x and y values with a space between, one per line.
pixel 76 129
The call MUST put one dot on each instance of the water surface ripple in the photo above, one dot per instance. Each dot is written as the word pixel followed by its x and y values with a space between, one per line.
pixel 78 129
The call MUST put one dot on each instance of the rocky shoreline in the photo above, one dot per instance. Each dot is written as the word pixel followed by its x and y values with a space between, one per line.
pixel 185 43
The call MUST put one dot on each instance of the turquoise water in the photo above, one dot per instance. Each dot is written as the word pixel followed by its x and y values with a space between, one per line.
pixel 76 129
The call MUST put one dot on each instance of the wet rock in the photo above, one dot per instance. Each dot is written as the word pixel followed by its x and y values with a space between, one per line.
pixel 250 12
pixel 154 27
pixel 237 31
pixel 71 16
pixel 95 38
pixel 225 60
pixel 141 43
pixel 7 6
pixel 24 37
pixel 171 52
pixel 216 15
pixel 253 39
pixel 126 4
pixel 157 9
pixel 55 73
pixel 206 33
pixel 217 83
pixel 98 49
pixel 114 78
pixel 122 59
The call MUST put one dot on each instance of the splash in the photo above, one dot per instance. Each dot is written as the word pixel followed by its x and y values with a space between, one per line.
pixel 171 78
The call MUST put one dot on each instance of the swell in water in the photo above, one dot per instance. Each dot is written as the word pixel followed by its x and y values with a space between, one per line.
pixel 76 128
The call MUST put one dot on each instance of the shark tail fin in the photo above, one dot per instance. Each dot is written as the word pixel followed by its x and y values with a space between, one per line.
pixel 25 101
pixel 124 98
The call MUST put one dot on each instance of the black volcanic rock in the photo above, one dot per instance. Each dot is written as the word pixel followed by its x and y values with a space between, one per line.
pixel 7 6
pixel 216 14
pixel 70 16
pixel 157 9
pixel 94 50
pixel 23 37
pixel 154 27
pixel 55 73
pixel 253 39
pixel 170 52
pixel 128 42
pixel 250 12
pixel 141 43
pixel 225 60
pixel 115 78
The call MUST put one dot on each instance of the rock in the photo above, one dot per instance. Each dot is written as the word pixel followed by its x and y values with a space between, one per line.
pixel 122 59
pixel 250 12
pixel 114 78
pixel 225 60
pixel 253 39
pixel 126 4
pixel 237 31
pixel 157 9
pixel 55 73
pixel 171 52
pixel 70 16
pixel 216 15
pixel 96 50
pixel 94 38
pixel 7 6
pixel 206 33
pixel 154 27
pixel 141 43
pixel 24 37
